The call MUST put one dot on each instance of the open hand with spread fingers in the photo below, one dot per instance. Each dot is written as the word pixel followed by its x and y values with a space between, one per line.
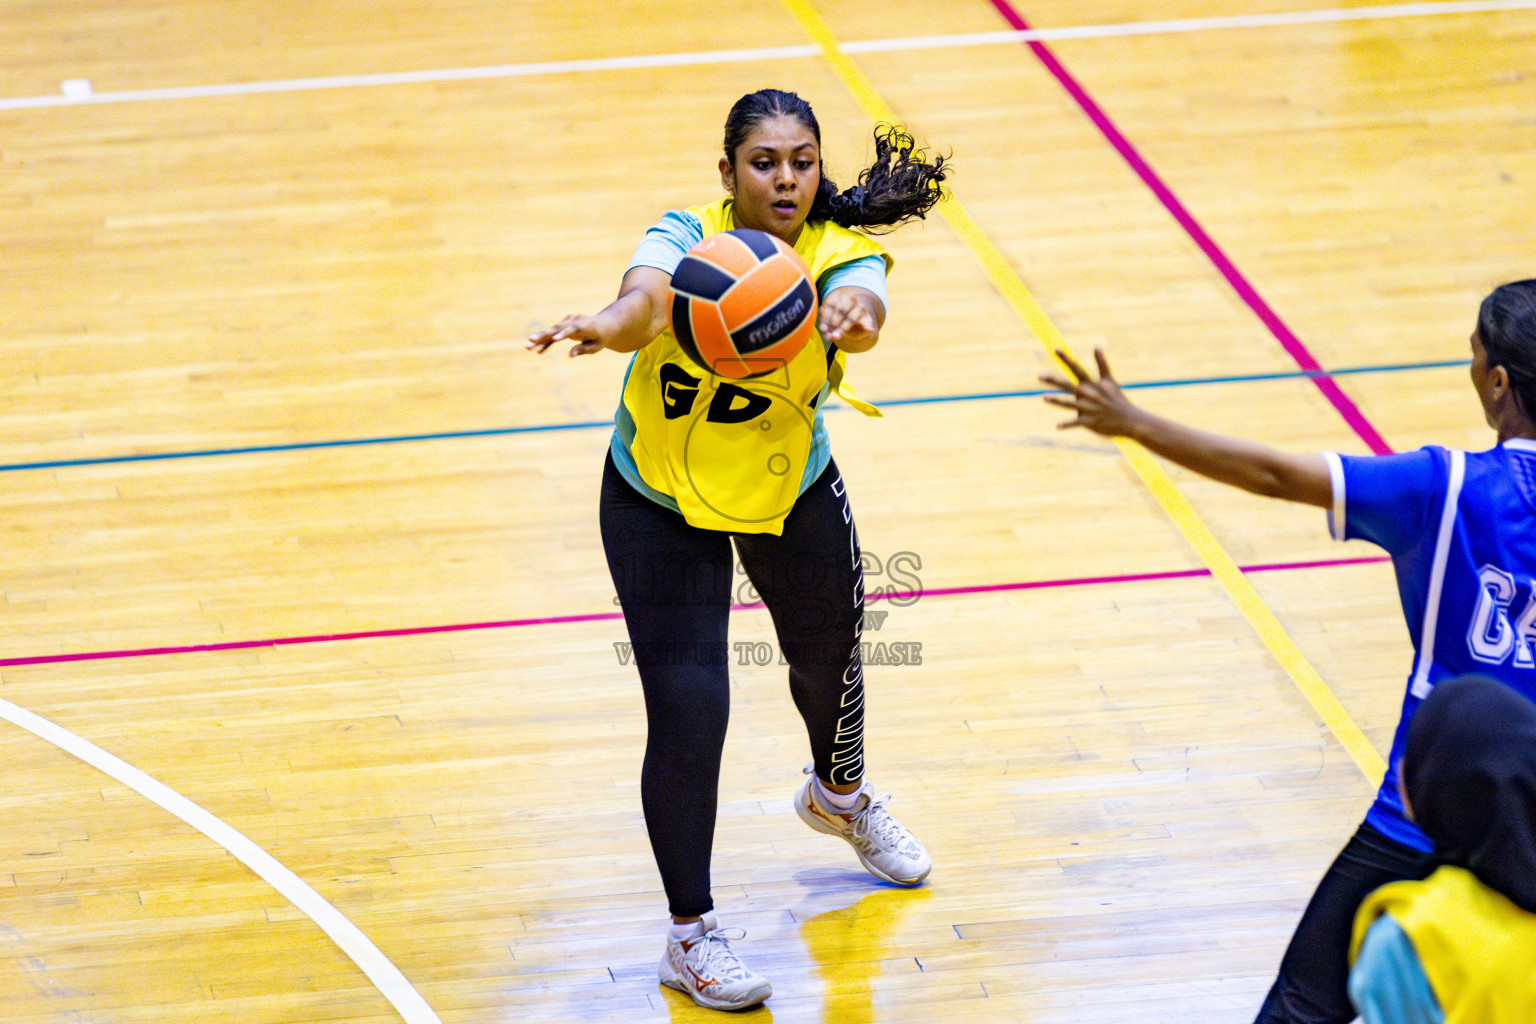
pixel 1099 403
pixel 584 330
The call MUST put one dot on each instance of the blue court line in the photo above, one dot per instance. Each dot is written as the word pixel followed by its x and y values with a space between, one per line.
pixel 588 425
pixel 1186 382
pixel 302 446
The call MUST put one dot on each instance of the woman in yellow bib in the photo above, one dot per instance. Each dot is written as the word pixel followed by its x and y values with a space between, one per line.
pixel 697 462
pixel 1460 946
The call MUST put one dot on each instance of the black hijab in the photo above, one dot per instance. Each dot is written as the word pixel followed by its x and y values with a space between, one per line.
pixel 1470 767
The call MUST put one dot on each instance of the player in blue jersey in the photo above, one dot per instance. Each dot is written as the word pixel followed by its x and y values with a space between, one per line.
pixel 1461 530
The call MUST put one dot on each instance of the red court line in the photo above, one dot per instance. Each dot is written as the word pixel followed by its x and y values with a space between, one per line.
pixel 464 627
pixel 1250 295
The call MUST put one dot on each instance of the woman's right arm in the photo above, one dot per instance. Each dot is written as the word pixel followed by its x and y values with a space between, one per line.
pixel 1103 408
pixel 629 323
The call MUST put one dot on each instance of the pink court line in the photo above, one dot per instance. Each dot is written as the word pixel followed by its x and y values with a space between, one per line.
pixel 552 620
pixel 1288 340
pixel 1136 578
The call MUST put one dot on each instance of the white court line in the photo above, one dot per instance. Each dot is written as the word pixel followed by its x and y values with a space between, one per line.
pixel 379 969
pixel 558 67
pixel 1414 10
pixel 1148 28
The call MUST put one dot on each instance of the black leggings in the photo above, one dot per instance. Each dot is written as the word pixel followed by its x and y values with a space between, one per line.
pixel 675 584
pixel 1311 986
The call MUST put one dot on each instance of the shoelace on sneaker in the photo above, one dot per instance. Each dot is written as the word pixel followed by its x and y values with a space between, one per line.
pixel 717 956
pixel 875 820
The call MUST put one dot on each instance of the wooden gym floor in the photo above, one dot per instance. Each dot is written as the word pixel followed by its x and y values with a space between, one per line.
pixel 297 530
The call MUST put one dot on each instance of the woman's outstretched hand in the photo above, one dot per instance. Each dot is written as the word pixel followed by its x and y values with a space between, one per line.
pixel 1099 403
pixel 584 330
pixel 1103 408
pixel 627 324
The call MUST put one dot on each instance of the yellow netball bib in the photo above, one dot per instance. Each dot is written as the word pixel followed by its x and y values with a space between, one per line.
pixel 733 453
pixel 1477 948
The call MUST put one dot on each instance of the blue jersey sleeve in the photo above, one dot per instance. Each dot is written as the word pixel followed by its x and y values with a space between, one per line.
pixel 865 272
pixel 665 245
pixel 1387 983
pixel 1392 501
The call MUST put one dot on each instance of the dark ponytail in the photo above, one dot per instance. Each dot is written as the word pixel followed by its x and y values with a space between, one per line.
pixel 1506 324
pixel 899 186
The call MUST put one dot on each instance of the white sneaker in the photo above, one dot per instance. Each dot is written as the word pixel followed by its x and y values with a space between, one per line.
pixel 707 969
pixel 885 847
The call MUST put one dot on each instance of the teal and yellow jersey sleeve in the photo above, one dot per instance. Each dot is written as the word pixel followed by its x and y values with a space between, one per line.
pixel 1387 983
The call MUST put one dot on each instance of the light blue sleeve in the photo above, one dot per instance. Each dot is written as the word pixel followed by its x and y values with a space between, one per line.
pixel 665 245
pixel 1387 984
pixel 865 272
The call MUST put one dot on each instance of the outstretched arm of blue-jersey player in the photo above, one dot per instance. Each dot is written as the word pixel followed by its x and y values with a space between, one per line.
pixel 1102 407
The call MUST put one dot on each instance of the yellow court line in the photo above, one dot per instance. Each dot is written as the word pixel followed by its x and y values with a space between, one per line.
pixel 1173 502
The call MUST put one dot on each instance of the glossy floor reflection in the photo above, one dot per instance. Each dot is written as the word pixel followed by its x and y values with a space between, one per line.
pixel 850 946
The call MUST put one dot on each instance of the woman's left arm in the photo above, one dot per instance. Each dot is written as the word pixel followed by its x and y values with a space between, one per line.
pixel 1103 408
pixel 851 318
